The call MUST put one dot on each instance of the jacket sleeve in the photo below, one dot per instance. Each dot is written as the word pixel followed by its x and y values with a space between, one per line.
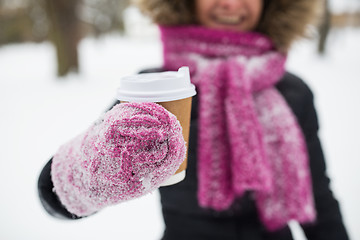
pixel 329 224
pixel 48 197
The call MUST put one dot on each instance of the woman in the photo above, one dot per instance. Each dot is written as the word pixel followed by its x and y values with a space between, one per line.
pixel 255 160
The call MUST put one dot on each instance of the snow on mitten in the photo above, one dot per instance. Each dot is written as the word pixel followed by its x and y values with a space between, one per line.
pixel 127 154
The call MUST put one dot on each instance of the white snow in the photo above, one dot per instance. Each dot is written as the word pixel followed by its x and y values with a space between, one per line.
pixel 341 6
pixel 40 112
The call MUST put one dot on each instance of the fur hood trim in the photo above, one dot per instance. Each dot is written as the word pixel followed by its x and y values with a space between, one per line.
pixel 283 20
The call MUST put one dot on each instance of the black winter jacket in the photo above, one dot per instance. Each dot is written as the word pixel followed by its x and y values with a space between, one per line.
pixel 185 220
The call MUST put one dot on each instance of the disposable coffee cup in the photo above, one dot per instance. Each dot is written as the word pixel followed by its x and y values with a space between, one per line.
pixel 172 90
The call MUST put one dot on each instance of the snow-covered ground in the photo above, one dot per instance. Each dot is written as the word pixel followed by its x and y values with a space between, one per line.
pixel 40 112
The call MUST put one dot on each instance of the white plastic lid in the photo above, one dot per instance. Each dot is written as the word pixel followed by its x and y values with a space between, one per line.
pixel 156 87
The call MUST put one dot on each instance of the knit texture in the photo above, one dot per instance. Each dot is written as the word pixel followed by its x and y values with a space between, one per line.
pixel 249 139
pixel 128 153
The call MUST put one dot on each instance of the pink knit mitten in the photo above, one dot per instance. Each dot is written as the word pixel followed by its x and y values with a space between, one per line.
pixel 128 153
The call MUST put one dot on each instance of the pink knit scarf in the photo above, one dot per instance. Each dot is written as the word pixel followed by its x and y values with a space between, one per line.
pixel 249 139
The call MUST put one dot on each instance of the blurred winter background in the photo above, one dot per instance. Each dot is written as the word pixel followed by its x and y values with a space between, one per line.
pixel 60 63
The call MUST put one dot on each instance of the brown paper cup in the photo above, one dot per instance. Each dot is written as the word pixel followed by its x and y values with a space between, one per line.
pixel 173 91
pixel 182 110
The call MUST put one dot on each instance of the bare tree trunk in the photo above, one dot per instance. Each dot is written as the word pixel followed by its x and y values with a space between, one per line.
pixel 324 28
pixel 64 33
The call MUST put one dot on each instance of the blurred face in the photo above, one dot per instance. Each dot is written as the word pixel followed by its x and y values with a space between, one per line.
pixel 235 15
